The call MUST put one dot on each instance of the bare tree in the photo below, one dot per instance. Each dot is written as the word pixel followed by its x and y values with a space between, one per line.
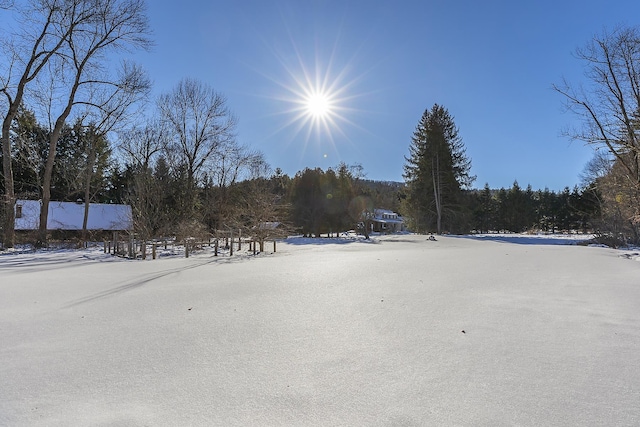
pixel 140 145
pixel 234 163
pixel 619 207
pixel 201 130
pixel 610 104
pixel 115 25
pixel 46 25
pixel 261 213
pixel 200 124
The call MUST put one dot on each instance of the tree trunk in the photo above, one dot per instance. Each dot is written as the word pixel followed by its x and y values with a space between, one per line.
pixel 46 180
pixel 91 158
pixel 9 195
pixel 435 174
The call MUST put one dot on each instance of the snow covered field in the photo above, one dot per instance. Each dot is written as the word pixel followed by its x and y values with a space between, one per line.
pixel 482 331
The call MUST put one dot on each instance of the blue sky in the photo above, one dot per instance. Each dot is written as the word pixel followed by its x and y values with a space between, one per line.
pixel 491 64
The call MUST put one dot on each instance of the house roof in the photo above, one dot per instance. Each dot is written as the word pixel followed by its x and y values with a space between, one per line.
pixel 383 211
pixel 388 221
pixel 269 225
pixel 386 216
pixel 69 216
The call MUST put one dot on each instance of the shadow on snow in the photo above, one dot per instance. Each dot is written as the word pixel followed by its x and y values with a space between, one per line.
pixel 521 239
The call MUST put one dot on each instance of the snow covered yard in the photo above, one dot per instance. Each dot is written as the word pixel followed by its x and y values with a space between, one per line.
pixel 399 332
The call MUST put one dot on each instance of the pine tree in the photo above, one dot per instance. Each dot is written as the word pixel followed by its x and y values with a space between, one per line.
pixel 436 172
pixel 484 210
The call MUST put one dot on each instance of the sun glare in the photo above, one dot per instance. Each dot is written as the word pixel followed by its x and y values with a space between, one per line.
pixel 318 96
pixel 318 105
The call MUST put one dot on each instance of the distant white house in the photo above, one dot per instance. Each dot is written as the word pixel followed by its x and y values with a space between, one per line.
pixel 70 215
pixel 386 221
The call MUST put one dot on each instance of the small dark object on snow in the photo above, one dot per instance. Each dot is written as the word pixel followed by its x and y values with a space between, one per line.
pixel 463 331
pixel 189 309
pixel 432 238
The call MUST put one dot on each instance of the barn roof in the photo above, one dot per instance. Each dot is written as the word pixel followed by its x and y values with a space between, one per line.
pixel 69 216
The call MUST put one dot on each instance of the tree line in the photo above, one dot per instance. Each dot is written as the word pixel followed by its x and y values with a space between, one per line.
pixel 438 197
pixel 437 171
pixel 71 131
pixel 181 190
pixel 517 210
pixel 168 198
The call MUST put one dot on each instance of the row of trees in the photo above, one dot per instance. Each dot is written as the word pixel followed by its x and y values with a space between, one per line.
pixel 67 131
pixel 314 201
pixel 437 171
pixel 178 185
pixel 182 169
pixel 438 196
pixel 518 210
pixel 167 199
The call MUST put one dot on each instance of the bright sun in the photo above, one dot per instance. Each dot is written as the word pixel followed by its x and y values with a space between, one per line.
pixel 318 97
pixel 318 105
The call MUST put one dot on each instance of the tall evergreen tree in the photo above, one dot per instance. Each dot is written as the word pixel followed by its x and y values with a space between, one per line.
pixel 436 172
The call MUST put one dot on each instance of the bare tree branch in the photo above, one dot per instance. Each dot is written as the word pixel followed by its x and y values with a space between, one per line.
pixel 610 107
pixel 201 127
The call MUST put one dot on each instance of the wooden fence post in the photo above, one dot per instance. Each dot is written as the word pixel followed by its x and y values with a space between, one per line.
pixel 274 246
pixel 153 250
pixel 215 250
pixel 186 248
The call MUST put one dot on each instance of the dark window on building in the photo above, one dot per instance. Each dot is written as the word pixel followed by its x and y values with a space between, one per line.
pixel 18 211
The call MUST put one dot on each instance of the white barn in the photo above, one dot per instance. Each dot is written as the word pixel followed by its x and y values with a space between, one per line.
pixel 70 215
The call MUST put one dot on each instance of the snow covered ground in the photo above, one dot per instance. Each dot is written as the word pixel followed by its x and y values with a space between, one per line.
pixel 401 331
